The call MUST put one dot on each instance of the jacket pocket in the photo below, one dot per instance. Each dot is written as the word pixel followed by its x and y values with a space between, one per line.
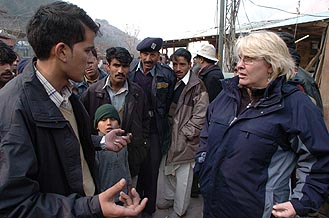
pixel 162 92
pixel 260 141
pixel 52 125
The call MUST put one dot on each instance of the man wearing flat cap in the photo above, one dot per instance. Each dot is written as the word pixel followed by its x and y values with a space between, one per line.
pixel 158 81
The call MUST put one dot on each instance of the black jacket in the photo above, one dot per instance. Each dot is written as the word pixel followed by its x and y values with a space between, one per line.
pixel 310 87
pixel 40 166
pixel 135 118
pixel 211 76
pixel 163 85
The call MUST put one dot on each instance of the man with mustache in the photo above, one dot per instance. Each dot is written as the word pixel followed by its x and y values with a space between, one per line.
pixel 187 114
pixel 158 81
pixel 7 57
pixel 129 100
pixel 47 152
pixel 92 73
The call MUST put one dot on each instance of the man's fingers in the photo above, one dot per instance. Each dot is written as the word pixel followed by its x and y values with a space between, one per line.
pixel 131 210
pixel 142 204
pixel 284 210
pixel 112 191
pixel 128 138
pixel 121 140
pixel 139 207
pixel 118 131
pixel 135 196
pixel 124 198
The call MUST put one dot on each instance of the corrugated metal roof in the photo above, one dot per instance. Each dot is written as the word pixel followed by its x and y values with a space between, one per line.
pixel 259 25
pixel 308 18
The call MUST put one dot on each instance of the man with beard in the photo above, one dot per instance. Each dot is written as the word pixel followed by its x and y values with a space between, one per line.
pixel 209 73
pixel 7 57
pixel 92 73
pixel 158 81
pixel 129 100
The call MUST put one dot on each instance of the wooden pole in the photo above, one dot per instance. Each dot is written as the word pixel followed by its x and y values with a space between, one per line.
pixel 324 83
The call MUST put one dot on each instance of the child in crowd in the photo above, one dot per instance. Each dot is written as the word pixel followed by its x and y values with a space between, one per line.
pixel 112 166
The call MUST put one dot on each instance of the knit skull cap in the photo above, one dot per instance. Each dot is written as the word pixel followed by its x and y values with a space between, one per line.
pixel 106 111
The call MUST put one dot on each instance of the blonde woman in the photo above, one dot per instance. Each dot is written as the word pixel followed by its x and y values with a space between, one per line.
pixel 250 143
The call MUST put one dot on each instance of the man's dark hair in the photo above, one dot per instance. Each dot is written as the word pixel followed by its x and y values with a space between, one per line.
pixel 289 39
pixel 181 52
pixel 119 53
pixel 7 55
pixel 58 22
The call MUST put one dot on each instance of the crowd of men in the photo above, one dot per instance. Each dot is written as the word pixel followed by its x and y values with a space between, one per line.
pixel 51 136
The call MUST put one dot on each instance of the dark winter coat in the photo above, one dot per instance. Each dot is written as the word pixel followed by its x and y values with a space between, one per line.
pixel 40 165
pixel 250 156
pixel 135 118
pixel 309 86
pixel 162 91
pixel 211 76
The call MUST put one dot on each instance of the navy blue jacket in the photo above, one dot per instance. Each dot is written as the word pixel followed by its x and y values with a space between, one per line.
pixel 250 156
pixel 163 84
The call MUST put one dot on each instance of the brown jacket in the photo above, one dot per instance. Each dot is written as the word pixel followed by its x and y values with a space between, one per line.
pixel 188 121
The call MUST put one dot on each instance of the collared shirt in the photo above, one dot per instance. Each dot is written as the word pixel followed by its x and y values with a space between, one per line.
pixel 59 99
pixel 184 80
pixel 145 81
pixel 140 67
pixel 117 98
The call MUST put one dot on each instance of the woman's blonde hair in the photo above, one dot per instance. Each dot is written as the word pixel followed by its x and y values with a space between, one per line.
pixel 268 45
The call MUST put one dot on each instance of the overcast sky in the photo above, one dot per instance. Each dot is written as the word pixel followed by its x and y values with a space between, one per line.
pixel 171 19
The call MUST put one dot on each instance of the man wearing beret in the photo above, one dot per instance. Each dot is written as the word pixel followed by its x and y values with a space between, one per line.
pixel 158 82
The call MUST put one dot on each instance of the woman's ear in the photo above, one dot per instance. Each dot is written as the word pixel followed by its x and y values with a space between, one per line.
pixel 270 70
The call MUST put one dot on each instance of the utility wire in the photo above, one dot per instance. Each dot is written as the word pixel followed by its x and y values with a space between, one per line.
pixel 279 9
pixel 244 8
pixel 298 13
